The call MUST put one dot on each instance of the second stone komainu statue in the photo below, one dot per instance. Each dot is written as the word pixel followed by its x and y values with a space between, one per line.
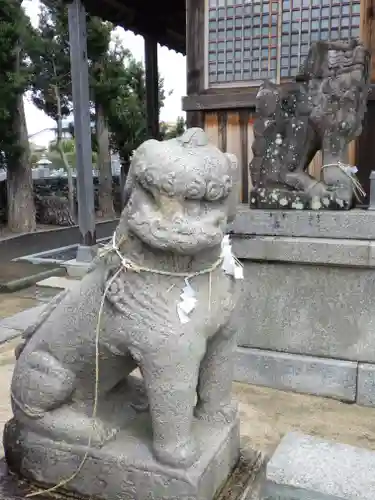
pixel 322 111
pixel 158 298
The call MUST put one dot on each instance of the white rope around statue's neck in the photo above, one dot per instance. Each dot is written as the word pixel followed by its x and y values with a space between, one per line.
pixel 129 265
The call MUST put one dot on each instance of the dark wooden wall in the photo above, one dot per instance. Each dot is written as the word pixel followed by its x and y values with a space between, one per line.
pixel 232 132
pixel 365 151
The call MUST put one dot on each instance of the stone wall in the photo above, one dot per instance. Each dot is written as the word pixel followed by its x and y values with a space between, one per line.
pixel 51 200
pixel 306 315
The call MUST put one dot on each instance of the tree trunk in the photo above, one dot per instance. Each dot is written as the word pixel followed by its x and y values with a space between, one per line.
pixel 61 151
pixel 104 165
pixel 123 176
pixel 21 207
pixel 69 171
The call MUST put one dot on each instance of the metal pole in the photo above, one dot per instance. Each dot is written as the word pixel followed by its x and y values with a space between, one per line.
pixel 82 130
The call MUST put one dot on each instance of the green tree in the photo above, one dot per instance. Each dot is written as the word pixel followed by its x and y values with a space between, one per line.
pixel 69 148
pixel 126 110
pixel 117 89
pixel 15 32
pixel 35 154
pixel 51 86
pixel 169 132
pixel 98 43
pixel 52 90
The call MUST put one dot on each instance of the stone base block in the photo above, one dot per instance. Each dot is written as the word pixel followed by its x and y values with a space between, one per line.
pixel 125 468
pixel 366 384
pixel 305 374
pixel 308 468
pixel 282 198
pixel 76 269
pixel 343 224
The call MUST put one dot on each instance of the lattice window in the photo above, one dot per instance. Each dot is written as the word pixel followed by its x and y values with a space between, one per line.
pixel 243 35
pixel 306 21
pixel 242 40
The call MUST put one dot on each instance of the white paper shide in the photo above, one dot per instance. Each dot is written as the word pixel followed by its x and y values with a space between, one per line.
pixel 187 304
pixel 230 266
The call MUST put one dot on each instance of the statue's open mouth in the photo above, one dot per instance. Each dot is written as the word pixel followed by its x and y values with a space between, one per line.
pixel 176 225
pixel 182 238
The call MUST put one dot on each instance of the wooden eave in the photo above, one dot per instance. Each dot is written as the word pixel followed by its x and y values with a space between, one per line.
pixel 165 20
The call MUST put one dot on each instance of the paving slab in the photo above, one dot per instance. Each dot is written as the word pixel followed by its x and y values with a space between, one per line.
pixel 58 282
pixel 11 304
pixel 22 320
pixel 308 468
pixel 38 293
pixel 7 334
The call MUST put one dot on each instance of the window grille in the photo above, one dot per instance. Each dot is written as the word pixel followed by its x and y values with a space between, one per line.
pixel 243 36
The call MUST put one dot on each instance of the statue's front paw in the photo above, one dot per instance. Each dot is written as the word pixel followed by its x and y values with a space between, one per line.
pixel 182 455
pixel 319 190
pixel 225 414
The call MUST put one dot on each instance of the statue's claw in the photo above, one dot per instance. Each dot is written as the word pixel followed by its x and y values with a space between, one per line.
pixel 179 455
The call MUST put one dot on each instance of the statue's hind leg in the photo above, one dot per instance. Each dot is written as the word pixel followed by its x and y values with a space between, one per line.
pixel 65 409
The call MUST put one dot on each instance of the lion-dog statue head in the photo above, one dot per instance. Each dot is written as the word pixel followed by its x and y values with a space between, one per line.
pixel 180 193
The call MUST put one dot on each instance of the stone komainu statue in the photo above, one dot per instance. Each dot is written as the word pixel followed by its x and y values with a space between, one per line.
pixel 323 110
pixel 158 298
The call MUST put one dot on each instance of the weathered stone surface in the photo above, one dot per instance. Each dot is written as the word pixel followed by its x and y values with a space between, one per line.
pixel 309 468
pixel 323 311
pixel 72 383
pixel 46 241
pixel 270 198
pixel 23 319
pixel 76 269
pixel 323 110
pixel 57 282
pixel 352 225
pixel 305 374
pixel 366 384
pixel 125 468
pixel 7 334
pixel 323 251
pixel 246 479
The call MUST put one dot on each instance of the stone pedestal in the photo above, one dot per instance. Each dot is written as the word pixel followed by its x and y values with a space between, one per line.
pixel 125 468
pixel 76 269
pixel 306 317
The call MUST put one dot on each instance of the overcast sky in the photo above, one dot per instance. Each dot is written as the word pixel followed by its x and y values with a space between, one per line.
pixel 172 68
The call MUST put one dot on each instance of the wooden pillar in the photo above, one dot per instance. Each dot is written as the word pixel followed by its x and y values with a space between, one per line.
pixel 152 87
pixel 195 54
pixel 363 148
pixel 82 130
pixel 367 25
